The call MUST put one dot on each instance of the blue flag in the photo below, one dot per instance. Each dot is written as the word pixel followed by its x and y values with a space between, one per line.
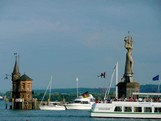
pixel 156 78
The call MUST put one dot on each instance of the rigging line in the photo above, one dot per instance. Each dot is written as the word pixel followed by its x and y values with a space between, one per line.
pixel 46 91
pixel 108 90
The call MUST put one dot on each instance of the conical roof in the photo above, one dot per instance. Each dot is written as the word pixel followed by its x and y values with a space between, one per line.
pixel 25 78
pixel 16 67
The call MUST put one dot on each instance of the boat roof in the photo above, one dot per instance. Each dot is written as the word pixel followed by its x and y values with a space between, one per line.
pixel 147 94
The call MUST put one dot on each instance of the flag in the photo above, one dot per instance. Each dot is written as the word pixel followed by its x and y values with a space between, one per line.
pixel 156 78
pixel 102 75
pixel 85 94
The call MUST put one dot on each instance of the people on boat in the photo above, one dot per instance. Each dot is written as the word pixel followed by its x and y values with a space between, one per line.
pixel 130 99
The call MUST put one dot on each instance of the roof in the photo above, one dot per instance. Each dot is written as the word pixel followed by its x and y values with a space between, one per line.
pixel 25 78
pixel 146 94
pixel 16 67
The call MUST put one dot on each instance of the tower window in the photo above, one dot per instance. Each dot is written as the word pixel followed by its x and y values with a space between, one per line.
pixel 28 87
pixel 23 86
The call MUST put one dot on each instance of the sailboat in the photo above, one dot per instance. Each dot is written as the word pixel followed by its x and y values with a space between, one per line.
pixel 50 105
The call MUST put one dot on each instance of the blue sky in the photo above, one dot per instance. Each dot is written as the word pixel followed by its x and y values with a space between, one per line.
pixel 78 38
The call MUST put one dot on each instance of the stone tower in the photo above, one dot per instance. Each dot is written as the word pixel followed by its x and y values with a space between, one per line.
pixel 128 85
pixel 15 79
pixel 21 88
pixel 26 91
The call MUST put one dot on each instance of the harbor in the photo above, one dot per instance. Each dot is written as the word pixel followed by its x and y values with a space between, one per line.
pixel 126 103
pixel 68 115
pixel 80 60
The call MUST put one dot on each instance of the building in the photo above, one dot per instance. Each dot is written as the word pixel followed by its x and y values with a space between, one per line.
pixel 21 89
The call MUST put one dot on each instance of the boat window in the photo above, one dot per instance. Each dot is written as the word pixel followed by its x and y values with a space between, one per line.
pixel 137 109
pixel 84 102
pixel 128 109
pixel 147 109
pixel 77 101
pixel 157 110
pixel 118 109
pixel 92 100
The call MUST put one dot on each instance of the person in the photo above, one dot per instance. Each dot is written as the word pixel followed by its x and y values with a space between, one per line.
pixel 131 99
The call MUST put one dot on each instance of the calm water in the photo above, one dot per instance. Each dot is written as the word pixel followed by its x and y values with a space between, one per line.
pixel 38 115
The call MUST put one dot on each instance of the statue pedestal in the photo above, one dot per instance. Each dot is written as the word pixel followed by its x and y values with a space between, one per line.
pixel 125 89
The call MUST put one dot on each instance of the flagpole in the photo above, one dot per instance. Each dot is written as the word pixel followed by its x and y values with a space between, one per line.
pixel 156 78
pixel 77 85
pixel 159 87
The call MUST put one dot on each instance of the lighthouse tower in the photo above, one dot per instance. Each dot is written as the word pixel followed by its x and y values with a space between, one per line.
pixel 21 88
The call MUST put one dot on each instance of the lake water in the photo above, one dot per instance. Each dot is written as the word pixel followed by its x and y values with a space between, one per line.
pixel 39 115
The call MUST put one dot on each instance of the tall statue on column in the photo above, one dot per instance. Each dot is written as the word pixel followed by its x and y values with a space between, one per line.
pixel 128 85
pixel 128 74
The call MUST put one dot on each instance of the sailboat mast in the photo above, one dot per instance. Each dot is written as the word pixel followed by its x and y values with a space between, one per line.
pixel 77 85
pixel 50 88
pixel 116 80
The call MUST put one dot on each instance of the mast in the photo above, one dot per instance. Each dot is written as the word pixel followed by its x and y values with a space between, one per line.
pixel 116 80
pixel 115 72
pixel 77 85
pixel 50 88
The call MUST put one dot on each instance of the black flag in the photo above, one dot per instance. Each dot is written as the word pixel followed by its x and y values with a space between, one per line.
pixel 102 75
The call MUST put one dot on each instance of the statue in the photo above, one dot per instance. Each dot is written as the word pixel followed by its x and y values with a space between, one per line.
pixel 127 86
pixel 128 74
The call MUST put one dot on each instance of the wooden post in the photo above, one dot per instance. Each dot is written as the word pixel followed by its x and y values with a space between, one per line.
pixel 12 103
pixel 48 102
pixel 6 102
pixel 27 105
pixel 23 104
pixel 35 101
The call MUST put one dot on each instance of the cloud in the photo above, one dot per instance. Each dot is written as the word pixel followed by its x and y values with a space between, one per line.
pixel 93 40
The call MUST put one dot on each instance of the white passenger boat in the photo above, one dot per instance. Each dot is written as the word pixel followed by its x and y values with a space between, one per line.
pixel 50 105
pixel 138 108
pixel 121 109
pixel 81 103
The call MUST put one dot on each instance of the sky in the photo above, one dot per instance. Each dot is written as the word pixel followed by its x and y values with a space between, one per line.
pixel 78 38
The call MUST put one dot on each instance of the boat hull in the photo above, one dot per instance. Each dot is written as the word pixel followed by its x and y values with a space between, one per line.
pixel 126 115
pixel 55 107
pixel 78 106
pixel 146 110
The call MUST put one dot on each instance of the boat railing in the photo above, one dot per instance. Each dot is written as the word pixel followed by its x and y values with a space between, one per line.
pixel 130 100
pixel 138 99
